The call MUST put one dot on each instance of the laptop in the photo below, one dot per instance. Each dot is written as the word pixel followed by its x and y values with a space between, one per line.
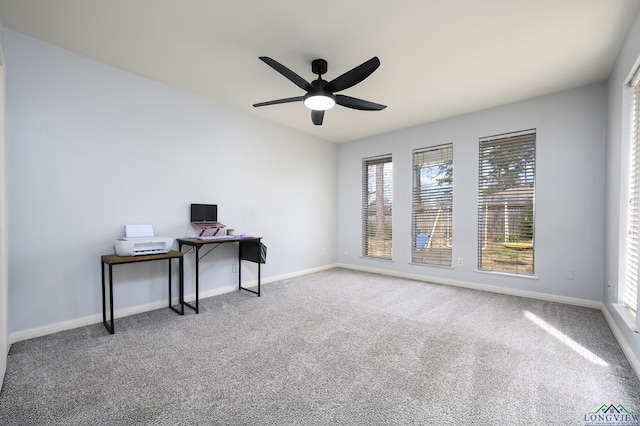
pixel 205 217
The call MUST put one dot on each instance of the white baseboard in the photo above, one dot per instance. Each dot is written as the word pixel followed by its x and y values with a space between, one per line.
pixel 622 341
pixel 483 287
pixel 81 322
pixel 119 313
pixel 254 283
pixel 299 273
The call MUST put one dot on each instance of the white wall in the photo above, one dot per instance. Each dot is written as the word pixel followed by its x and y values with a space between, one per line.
pixel 4 274
pixel 569 211
pixel 92 148
pixel 617 155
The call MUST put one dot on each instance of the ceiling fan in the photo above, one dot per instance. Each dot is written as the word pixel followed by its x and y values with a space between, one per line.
pixel 320 93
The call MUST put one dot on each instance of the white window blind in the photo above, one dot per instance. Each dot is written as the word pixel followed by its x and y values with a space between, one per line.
pixel 432 206
pixel 506 188
pixel 377 202
pixel 630 284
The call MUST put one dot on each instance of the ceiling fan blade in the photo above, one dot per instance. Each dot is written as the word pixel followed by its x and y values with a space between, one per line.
pixel 295 78
pixel 316 117
pixel 355 103
pixel 353 77
pixel 280 101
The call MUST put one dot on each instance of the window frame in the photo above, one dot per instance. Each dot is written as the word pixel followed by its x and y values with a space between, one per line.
pixel 508 192
pixel 628 292
pixel 385 232
pixel 432 246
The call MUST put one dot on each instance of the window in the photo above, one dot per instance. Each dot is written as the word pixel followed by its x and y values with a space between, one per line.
pixel 629 293
pixel 377 201
pixel 432 206
pixel 506 186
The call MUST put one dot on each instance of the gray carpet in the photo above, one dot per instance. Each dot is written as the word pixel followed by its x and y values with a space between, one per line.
pixel 334 348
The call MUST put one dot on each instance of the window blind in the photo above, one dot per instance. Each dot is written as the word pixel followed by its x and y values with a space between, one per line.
pixel 630 287
pixel 506 188
pixel 432 206
pixel 377 202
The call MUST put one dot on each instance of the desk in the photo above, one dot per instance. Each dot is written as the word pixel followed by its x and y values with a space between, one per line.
pixel 243 243
pixel 112 259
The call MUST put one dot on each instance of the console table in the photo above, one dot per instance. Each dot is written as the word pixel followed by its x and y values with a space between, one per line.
pixel 249 248
pixel 112 259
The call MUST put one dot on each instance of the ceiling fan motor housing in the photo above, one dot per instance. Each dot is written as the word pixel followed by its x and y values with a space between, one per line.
pixel 319 66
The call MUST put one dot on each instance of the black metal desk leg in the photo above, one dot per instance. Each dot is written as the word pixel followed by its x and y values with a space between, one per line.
pixel 111 298
pixel 197 278
pixel 239 267
pixel 111 327
pixel 180 289
pixel 169 260
pixel 104 302
pixel 197 257
pixel 181 260
pixel 240 274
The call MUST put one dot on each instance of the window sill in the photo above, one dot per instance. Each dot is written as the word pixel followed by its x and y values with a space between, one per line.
pixel 507 274
pixel 627 315
pixel 378 259
pixel 431 266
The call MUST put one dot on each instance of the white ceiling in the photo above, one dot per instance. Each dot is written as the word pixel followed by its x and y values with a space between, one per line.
pixel 438 58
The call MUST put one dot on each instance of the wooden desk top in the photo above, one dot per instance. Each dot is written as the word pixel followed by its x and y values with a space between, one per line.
pixel 114 259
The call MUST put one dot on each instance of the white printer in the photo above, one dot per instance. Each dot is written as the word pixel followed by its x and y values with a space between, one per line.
pixel 139 240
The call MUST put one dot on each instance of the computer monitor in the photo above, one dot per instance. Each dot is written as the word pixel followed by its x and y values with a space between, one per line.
pixel 204 213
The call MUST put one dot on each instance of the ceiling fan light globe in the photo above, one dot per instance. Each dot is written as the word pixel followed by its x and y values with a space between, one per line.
pixel 319 102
